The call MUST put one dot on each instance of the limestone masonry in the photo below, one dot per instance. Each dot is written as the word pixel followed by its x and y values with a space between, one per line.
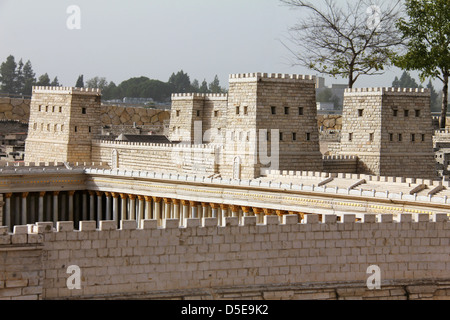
pixel 231 197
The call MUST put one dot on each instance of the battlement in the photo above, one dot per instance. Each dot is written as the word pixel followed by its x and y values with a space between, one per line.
pixel 29 234
pixel 386 90
pixel 239 77
pixel 186 96
pixel 159 145
pixel 67 90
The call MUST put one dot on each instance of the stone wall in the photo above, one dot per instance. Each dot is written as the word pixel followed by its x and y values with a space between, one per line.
pixel 15 109
pixel 329 122
pixel 113 115
pixel 161 157
pixel 19 109
pixel 273 260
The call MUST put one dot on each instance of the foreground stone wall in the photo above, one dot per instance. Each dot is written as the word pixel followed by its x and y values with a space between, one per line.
pixel 289 260
pixel 329 122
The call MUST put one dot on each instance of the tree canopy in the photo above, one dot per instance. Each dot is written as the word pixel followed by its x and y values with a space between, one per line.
pixel 426 30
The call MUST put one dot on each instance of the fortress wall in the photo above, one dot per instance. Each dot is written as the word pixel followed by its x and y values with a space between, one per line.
pixel 19 109
pixel 161 157
pixel 288 260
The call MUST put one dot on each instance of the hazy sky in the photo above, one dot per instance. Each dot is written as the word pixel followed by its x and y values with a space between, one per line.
pixel 153 38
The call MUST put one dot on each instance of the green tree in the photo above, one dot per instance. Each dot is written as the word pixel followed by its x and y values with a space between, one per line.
pixel 195 85
pixel 204 87
pixel 345 41
pixel 80 82
pixel 97 83
pixel 435 105
pixel 44 80
pixel 19 77
pixel 427 32
pixel 55 82
pixel 214 86
pixel 180 82
pixel 405 81
pixel 29 78
pixel 8 75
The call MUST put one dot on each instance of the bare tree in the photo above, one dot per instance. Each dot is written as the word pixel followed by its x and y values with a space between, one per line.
pixel 356 40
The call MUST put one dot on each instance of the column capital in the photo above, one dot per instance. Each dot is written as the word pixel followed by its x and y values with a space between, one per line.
pixel 123 196
pixel 223 206
pixel 115 195
pixel 176 201
pixel 246 209
pixel 257 210
pixel 185 202
pixel 214 205
pixel 71 192
pixel 235 208
pixel 167 200
pixel 91 193
pixel 280 212
pixel 42 194
pixel 132 196
pixel 141 198
pixel 99 193
pixel 108 194
pixel 25 194
pixel 157 199
pixel 8 195
pixel 268 212
pixel 148 198
pixel 193 203
pixel 205 204
pixel 55 193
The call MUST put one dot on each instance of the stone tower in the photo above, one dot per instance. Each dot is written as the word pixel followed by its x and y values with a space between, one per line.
pixel 390 130
pixel 195 110
pixel 63 122
pixel 271 123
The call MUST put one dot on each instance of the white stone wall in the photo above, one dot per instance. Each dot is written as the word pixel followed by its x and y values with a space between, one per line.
pixel 203 257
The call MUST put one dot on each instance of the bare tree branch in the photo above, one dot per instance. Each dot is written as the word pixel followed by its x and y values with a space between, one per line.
pixel 345 43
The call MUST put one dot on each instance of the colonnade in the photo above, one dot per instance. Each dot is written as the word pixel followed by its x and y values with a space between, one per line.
pixel 25 208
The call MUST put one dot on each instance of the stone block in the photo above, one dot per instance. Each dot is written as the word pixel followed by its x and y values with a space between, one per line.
pixel 108 225
pixel 290 219
pixel 64 226
pixel 311 218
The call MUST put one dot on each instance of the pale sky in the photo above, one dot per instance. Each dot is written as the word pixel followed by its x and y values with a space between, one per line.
pixel 153 38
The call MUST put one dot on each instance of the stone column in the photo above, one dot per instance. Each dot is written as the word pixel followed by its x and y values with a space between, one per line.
pixel 148 208
pixel 224 213
pixel 41 207
pixel 132 215
pixel 84 209
pixel 205 207
pixel 99 207
pixel 235 211
pixel 71 212
pixel 167 207
pixel 55 207
pixel 176 208
pixel 8 211
pixel 214 210
pixel 17 212
pixel 268 212
pixel 280 214
pixel 157 210
pixel 123 205
pixel 140 216
pixel 246 211
pixel 91 205
pixel 24 209
pixel 115 207
pixel 185 211
pixel 108 206
pixel 259 216
pixel 194 209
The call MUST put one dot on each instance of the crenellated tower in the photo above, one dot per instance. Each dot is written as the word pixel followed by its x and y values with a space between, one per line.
pixel 63 123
